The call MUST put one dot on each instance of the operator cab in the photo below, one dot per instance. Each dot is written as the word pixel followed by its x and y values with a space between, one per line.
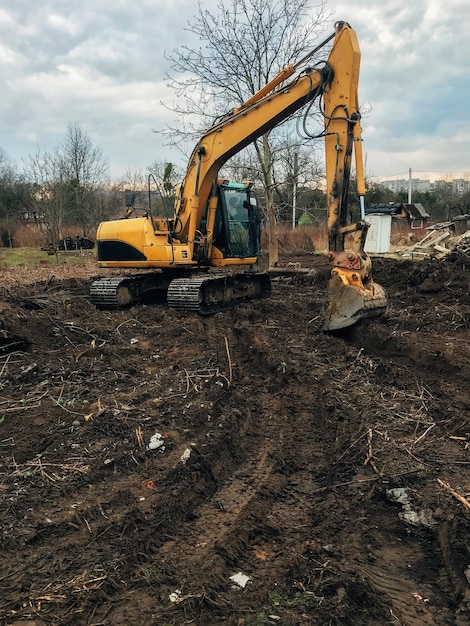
pixel 237 223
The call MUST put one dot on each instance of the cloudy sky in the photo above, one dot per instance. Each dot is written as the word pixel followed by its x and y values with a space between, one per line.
pixel 102 65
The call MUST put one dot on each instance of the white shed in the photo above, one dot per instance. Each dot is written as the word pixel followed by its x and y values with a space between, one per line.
pixel 378 236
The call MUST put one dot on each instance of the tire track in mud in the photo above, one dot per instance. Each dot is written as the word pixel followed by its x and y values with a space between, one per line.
pixel 261 511
pixel 218 517
pixel 411 603
pixel 224 525
pixel 417 348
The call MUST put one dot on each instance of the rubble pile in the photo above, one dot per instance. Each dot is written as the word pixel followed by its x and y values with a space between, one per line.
pixel 440 243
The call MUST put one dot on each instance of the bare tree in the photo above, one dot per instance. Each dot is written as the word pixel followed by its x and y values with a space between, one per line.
pixel 163 179
pixel 151 190
pixel 246 44
pixel 133 180
pixel 12 190
pixel 132 189
pixel 47 193
pixel 295 165
pixel 85 168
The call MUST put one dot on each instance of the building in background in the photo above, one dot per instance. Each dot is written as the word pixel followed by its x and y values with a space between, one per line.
pixel 414 214
pixel 450 186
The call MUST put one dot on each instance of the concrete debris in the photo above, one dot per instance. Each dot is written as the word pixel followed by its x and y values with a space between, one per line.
pixel 240 579
pixel 400 495
pixel 423 517
pixel 157 442
pixel 175 596
pixel 185 456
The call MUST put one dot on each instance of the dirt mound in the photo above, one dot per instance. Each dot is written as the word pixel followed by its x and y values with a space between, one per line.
pixel 243 469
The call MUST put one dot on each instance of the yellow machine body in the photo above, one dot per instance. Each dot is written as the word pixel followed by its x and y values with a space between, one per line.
pixel 203 233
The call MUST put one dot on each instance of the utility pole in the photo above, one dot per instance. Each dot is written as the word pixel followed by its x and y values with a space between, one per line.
pixel 409 186
pixel 294 189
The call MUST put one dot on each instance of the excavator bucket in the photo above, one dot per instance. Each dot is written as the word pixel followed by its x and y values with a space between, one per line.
pixel 349 300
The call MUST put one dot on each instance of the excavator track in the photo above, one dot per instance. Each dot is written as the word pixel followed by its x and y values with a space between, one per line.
pixel 111 293
pixel 210 294
pixel 123 291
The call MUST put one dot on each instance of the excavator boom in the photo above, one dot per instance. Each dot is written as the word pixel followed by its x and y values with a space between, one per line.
pixel 352 294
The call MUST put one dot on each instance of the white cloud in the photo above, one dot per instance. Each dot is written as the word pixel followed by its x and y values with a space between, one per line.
pixel 414 75
pixel 103 65
pixel 63 25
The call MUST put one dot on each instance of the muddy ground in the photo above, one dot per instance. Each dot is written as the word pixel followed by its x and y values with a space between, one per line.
pixel 330 472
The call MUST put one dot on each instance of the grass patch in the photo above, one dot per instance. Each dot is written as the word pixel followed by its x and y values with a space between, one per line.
pixel 280 606
pixel 11 258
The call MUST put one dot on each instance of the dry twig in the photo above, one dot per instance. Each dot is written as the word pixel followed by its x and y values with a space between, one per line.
pixel 5 364
pixel 370 453
pixel 193 378
pixel 229 362
pixel 463 501
pixel 423 434
pixel 139 436
pixel 38 466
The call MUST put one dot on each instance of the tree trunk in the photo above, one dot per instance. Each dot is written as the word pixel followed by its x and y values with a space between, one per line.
pixel 264 157
pixel 273 247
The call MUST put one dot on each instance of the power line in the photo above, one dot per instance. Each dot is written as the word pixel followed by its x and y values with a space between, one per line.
pixel 405 174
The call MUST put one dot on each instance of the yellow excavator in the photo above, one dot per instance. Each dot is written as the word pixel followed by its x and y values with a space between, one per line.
pixel 216 222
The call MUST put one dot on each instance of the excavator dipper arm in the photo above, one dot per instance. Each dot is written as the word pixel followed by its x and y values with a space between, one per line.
pixel 352 294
